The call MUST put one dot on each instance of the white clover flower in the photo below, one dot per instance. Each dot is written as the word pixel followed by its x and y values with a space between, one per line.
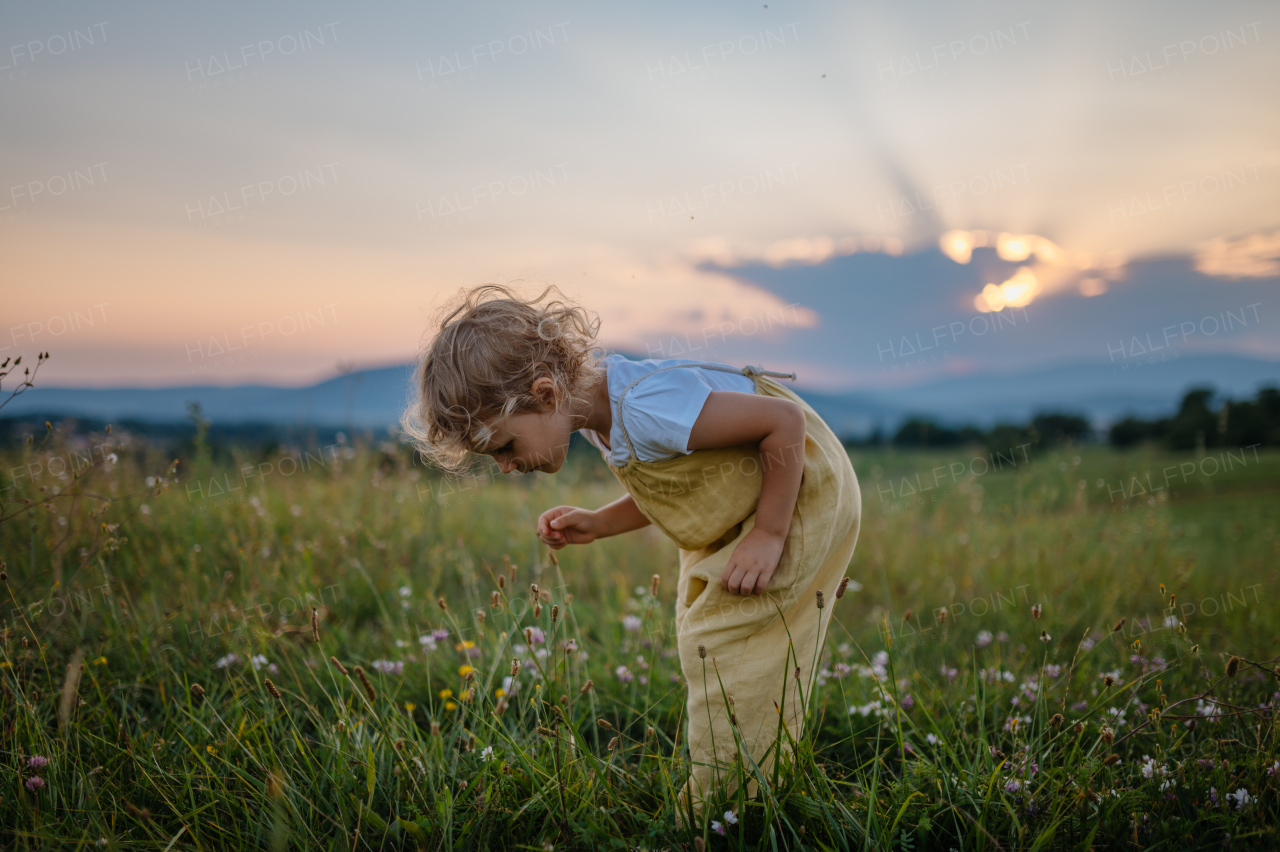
pixel 488 755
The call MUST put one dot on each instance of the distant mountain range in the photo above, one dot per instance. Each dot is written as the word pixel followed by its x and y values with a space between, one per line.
pixel 1103 392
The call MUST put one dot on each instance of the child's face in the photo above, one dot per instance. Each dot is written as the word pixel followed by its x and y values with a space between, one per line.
pixel 533 440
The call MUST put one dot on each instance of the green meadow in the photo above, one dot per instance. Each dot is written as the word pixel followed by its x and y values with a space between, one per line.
pixel 334 648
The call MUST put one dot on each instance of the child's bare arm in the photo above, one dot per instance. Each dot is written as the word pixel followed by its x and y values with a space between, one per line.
pixel 571 525
pixel 778 425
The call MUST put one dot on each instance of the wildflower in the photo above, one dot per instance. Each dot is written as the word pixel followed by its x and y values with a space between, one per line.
pixel 932 739
pixel 493 599
pixel 1108 680
pixel 983 639
pixel 271 688
pixel 624 674
pixel 258 661
pixel 1242 798
pixel 449 705
pixel 35 782
pixel 1036 610
pixel 1213 795
pixel 948 673
pixel 487 755
pixel 197 694
pixel 1052 670
pixel 439 634
pixel 821 603
pixel 840 589
pixel 586 687
pixel 368 687
pixel 210 749
pixel 1002 636
pixel 730 818
pixel 340 666
pixel 388 666
pixel 1107 734
pixel 534 635
pixel 446 693
pixel 515 667
pixel 1233 666
pixel 37 761
pixel 908 702
pixel 409 707
pixel 1078 727
pixel 465 670
pixel 222 663
pixel 1044 636
pixel 1013 785
pixel 717 827
pixel 631 623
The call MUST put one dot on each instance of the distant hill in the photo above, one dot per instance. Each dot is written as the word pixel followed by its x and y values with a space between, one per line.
pixel 374 398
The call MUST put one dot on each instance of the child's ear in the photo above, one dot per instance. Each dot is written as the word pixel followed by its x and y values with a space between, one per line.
pixel 544 390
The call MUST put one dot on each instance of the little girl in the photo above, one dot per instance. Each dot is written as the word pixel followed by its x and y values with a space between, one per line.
pixel 752 486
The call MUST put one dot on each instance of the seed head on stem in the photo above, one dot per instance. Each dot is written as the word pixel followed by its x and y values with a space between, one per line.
pixel 271 688
pixel 368 687
pixel 1119 624
pixel 653 584
pixel 702 652
pixel 315 625
pixel 1233 666
pixel 340 666
pixel 1036 610
pixel 555 613
pixel 821 601
pixel 840 589
pixel 440 603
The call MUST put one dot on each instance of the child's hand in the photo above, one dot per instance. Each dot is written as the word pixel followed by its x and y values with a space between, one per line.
pixel 753 562
pixel 568 525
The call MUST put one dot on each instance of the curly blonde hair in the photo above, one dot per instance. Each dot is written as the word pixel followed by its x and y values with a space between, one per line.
pixel 479 368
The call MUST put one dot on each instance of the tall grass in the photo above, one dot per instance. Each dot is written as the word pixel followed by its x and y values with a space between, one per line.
pixel 159 654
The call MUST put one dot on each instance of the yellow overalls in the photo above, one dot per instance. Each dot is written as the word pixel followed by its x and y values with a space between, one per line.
pixel 706 502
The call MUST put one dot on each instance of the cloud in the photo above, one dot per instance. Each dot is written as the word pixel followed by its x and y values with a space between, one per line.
pixel 1254 256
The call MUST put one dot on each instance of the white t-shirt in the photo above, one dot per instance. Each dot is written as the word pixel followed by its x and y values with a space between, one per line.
pixel 661 410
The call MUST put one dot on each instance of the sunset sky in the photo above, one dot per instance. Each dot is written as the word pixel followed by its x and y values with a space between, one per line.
pixel 218 194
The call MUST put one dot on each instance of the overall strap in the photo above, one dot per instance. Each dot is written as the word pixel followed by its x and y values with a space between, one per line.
pixel 748 371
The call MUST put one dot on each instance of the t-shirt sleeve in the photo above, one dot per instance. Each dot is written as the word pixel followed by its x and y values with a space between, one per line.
pixel 660 411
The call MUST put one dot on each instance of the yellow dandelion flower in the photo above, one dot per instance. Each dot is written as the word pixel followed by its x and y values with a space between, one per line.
pixel 499 692
pixel 6 665
pixel 446 693
pixel 101 661
pixel 409 706
pixel 449 705
pixel 465 670
pixel 211 749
